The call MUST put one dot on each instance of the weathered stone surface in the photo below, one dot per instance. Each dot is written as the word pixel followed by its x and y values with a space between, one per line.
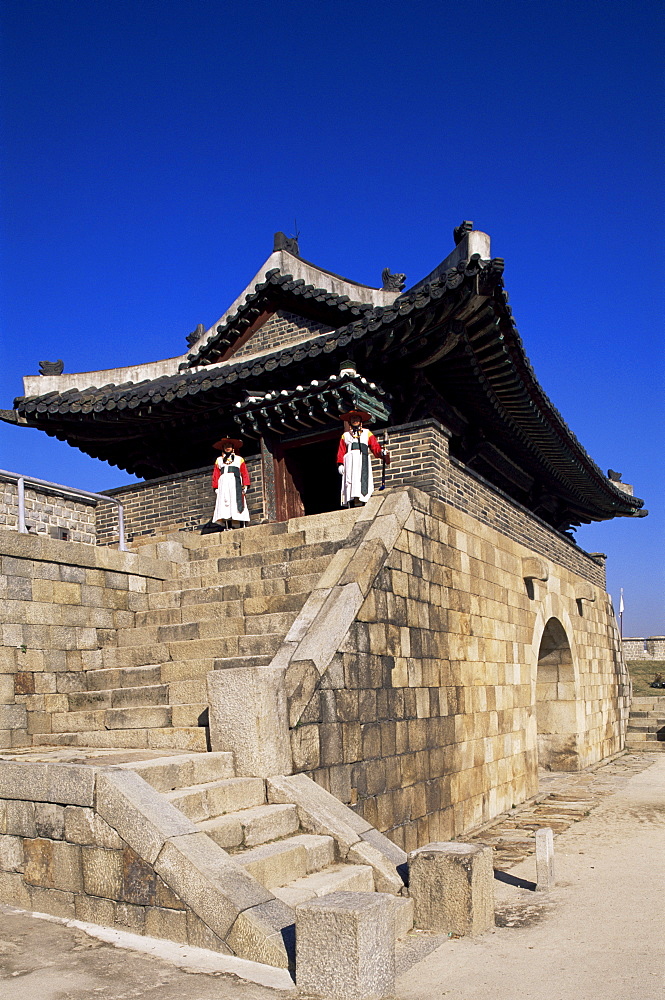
pixel 85 826
pixel 139 814
pixel 345 946
pixel 49 820
pixel 249 717
pixel 261 934
pixel 164 923
pixel 53 864
pixel 208 880
pixel 11 854
pixel 544 859
pixel 102 872
pixel 386 878
pixel 275 864
pixel 452 886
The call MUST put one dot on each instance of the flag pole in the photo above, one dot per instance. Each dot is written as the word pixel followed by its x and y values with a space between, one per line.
pixel 621 616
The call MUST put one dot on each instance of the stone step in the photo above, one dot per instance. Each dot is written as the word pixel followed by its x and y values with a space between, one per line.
pixel 645 745
pixel 148 717
pixel 215 798
pixel 128 697
pixel 338 877
pixel 651 725
pixel 189 739
pixel 294 551
pixel 233 662
pixel 282 861
pixel 252 826
pixel 263 624
pixel 273 604
pixel 403 907
pixel 131 677
pixel 167 774
pixel 211 629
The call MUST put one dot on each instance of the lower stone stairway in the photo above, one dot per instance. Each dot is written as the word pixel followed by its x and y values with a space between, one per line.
pixel 229 602
pixel 646 724
pixel 276 841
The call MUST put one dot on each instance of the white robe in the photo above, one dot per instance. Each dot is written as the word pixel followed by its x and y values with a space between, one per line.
pixel 226 505
pixel 352 469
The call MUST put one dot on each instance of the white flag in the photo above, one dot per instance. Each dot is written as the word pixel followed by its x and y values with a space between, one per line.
pixel 621 602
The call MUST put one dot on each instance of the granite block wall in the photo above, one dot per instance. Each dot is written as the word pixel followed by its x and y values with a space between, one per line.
pixel 434 713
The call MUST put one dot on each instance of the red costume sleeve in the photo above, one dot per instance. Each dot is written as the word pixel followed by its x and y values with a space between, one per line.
pixel 341 451
pixel 244 474
pixel 215 476
pixel 374 445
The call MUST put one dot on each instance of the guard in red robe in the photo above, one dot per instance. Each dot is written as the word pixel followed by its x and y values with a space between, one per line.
pixel 230 480
pixel 353 461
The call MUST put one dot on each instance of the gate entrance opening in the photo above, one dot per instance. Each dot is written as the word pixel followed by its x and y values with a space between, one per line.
pixel 556 702
pixel 306 476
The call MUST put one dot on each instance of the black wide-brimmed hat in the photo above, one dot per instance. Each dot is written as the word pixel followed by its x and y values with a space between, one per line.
pixel 361 415
pixel 223 443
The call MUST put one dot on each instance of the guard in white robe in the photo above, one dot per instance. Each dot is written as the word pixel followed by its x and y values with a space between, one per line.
pixel 353 459
pixel 230 480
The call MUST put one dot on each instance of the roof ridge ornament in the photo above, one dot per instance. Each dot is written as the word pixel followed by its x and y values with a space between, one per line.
pixel 288 243
pixel 51 367
pixel 459 232
pixel 392 282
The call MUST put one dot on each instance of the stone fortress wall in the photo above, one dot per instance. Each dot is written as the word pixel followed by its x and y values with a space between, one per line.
pixel 652 648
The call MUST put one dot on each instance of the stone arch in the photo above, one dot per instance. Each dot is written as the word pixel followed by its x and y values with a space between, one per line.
pixel 555 689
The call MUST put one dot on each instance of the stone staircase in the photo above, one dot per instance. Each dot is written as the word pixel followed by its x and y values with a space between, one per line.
pixel 276 841
pixel 230 601
pixel 646 724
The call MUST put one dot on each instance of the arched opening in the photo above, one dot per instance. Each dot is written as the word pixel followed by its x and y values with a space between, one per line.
pixel 557 704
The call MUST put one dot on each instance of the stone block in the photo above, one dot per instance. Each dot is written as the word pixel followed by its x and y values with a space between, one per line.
pixel 129 918
pixel 84 826
pixel 208 880
pixel 20 818
pixel 14 891
pixel 139 814
pixel 544 859
pixel 452 885
pixel 102 872
pixel 345 946
pixel 319 850
pixel 249 717
pixel 169 924
pixel 94 910
pixel 11 854
pixel 53 901
pixel 49 820
pixel 53 864
pixel 13 717
pixel 261 934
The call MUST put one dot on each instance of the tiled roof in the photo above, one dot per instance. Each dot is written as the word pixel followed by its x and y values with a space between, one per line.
pixel 458 328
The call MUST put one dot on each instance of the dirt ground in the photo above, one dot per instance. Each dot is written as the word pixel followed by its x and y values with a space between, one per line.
pixel 599 935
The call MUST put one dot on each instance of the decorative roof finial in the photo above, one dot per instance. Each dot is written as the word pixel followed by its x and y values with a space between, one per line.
pixel 460 231
pixel 392 282
pixel 51 367
pixel 288 243
pixel 196 335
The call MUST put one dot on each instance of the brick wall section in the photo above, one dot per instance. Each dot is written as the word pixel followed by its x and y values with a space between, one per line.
pixel 182 502
pixel 47 510
pixel 280 330
pixel 419 457
pixel 426 722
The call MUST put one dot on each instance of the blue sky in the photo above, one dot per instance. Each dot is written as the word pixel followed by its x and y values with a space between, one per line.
pixel 152 149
